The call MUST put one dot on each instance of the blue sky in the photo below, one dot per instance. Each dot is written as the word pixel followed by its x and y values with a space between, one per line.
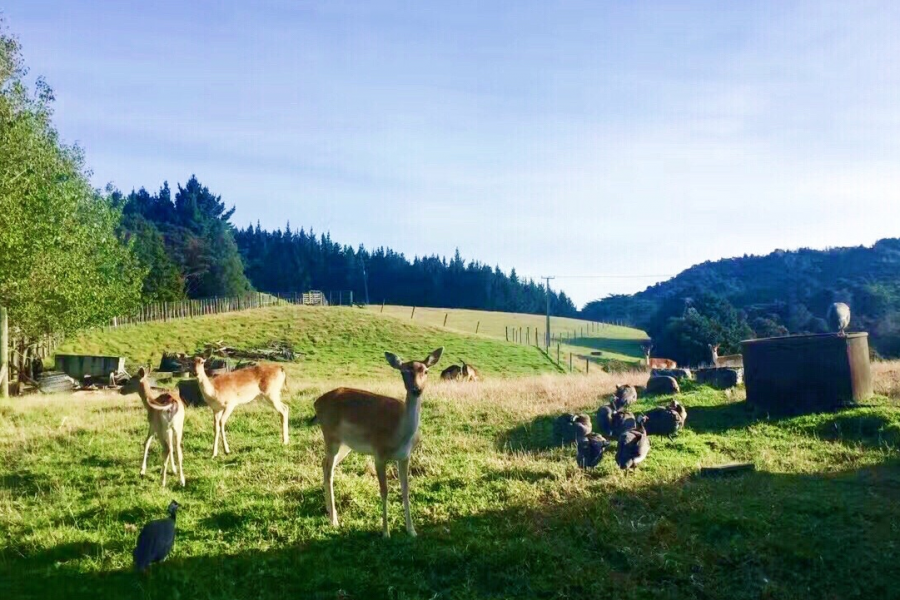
pixel 567 138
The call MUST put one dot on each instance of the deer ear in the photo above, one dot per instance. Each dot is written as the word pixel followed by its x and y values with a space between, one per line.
pixel 434 357
pixel 393 360
pixel 141 373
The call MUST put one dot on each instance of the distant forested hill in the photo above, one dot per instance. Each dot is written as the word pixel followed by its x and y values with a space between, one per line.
pixel 188 245
pixel 785 291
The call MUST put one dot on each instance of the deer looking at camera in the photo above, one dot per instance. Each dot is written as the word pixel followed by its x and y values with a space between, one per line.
pixel 226 392
pixel 657 363
pixel 165 415
pixel 729 360
pixel 382 426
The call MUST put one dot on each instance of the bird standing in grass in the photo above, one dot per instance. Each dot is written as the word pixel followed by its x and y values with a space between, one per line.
pixel 634 446
pixel 626 395
pixel 590 450
pixel 605 418
pixel 839 317
pixel 156 540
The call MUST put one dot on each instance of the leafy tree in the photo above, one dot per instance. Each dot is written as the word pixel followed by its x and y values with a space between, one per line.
pixel 62 266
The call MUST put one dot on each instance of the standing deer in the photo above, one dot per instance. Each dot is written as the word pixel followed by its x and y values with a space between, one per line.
pixel 729 360
pixel 657 363
pixel 382 426
pixel 469 373
pixel 226 392
pixel 165 416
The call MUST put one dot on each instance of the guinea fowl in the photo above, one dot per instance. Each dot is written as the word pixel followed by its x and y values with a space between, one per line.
pixel 156 540
pixel 666 420
pixel 605 418
pixel 634 446
pixel 622 421
pixel 626 395
pixel 839 317
pixel 569 428
pixel 590 450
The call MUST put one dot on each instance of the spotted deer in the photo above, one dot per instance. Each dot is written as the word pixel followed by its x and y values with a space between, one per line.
pixel 729 360
pixel 165 416
pixel 384 427
pixel 657 363
pixel 226 392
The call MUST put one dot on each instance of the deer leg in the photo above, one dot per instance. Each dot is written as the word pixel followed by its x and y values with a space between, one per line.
pixel 403 468
pixel 277 404
pixel 333 455
pixel 225 417
pixel 168 448
pixel 147 443
pixel 381 470
pixel 217 419
pixel 178 439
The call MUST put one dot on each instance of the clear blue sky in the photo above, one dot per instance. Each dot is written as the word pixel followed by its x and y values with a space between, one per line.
pixel 569 138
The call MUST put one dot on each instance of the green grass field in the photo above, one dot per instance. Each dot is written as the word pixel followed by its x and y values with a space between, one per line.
pixel 334 342
pixel 500 511
pixel 580 337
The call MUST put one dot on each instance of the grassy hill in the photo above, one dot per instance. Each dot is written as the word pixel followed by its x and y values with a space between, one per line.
pixel 582 337
pixel 501 512
pixel 334 342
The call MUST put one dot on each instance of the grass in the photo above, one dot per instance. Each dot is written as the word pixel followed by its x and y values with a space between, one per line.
pixel 501 513
pixel 584 337
pixel 333 342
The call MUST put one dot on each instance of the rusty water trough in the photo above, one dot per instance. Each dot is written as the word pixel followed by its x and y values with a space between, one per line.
pixel 807 373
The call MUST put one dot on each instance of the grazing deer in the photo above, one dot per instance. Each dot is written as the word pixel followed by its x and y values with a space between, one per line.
pixel 452 373
pixel 165 415
pixel 657 363
pixel 729 360
pixel 382 426
pixel 469 373
pixel 226 392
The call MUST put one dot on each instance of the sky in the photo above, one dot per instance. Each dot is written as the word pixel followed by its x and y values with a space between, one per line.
pixel 611 144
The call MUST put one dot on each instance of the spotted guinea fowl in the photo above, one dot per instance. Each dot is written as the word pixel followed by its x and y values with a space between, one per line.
pixel 604 419
pixel 156 540
pixel 590 450
pixel 839 317
pixel 666 420
pixel 634 446
pixel 568 428
pixel 622 421
pixel 626 395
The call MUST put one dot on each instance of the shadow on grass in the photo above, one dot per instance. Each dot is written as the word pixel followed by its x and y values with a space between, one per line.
pixel 855 429
pixel 533 436
pixel 721 417
pixel 757 535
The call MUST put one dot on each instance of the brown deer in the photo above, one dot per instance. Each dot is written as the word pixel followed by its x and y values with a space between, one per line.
pixel 227 391
pixel 469 373
pixel 657 363
pixel 165 415
pixel 729 360
pixel 382 426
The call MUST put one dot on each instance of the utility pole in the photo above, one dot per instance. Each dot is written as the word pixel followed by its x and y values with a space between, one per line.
pixel 366 281
pixel 547 286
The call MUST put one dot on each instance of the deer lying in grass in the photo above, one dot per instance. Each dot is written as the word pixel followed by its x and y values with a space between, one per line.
pixel 165 415
pixel 384 427
pixel 226 392
pixel 657 363
pixel 729 360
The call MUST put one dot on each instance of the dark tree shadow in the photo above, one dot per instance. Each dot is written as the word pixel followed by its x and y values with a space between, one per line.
pixel 534 436
pixel 756 535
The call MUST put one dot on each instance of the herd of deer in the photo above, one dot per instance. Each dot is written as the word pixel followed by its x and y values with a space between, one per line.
pixel 350 419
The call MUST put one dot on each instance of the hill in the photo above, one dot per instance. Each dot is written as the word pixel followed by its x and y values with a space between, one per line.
pixel 784 291
pixel 578 336
pixel 333 342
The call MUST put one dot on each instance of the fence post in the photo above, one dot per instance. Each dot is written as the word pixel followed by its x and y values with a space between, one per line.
pixel 382 305
pixel 557 355
pixel 570 362
pixel 477 325
pixel 506 331
pixel 587 366
pixel 413 313
pixel 445 320
pixel 4 353
pixel 351 297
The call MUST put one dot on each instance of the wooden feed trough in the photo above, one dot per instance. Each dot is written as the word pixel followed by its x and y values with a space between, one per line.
pixel 807 373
